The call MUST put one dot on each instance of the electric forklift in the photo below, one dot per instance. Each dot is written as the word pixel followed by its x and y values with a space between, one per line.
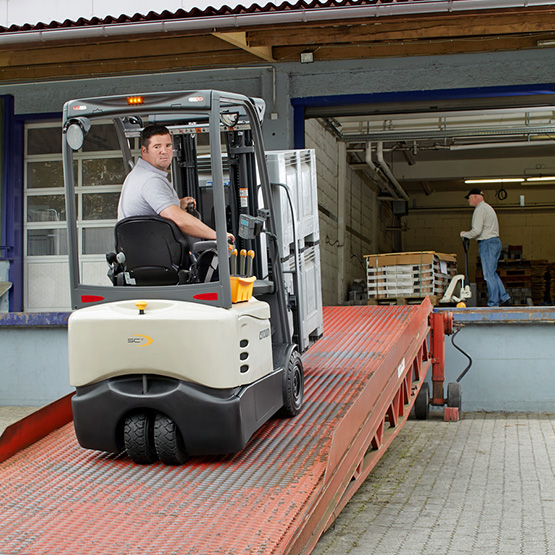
pixel 183 347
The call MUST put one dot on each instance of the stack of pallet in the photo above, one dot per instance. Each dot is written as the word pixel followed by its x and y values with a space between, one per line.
pixel 550 278
pixel 408 277
pixel 524 280
pixel 540 283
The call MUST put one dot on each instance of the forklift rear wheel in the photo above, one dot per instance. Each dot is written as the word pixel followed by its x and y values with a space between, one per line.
pixel 454 396
pixel 138 437
pixel 422 403
pixel 168 441
pixel 293 385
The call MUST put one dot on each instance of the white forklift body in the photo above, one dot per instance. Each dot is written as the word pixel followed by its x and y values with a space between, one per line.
pixel 183 354
pixel 206 345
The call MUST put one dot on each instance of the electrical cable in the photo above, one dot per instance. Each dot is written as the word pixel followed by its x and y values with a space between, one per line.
pixel 461 351
pixel 502 194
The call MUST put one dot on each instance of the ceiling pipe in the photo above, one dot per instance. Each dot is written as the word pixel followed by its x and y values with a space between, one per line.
pixel 385 168
pixel 215 23
pixel 374 169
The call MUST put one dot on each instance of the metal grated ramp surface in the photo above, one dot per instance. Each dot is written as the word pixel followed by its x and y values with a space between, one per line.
pixel 57 498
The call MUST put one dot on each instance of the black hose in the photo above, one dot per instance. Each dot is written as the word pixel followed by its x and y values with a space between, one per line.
pixel 461 351
pixel 502 193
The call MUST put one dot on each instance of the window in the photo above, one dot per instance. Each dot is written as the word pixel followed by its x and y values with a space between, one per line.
pixel 99 173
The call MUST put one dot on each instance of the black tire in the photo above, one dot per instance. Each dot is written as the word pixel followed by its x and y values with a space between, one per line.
pixel 168 441
pixel 454 396
pixel 293 386
pixel 138 437
pixel 422 403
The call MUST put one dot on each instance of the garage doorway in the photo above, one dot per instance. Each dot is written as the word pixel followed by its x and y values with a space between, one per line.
pixel 427 153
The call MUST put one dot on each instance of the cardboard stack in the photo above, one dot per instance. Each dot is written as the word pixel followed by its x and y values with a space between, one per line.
pixel 409 275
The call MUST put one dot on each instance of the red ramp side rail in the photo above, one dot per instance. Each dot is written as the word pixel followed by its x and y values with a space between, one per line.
pixel 35 426
pixel 370 425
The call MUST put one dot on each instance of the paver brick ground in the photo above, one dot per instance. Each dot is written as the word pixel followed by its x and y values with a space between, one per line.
pixel 484 485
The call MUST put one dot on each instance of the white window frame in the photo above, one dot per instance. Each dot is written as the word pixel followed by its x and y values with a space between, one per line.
pixel 51 289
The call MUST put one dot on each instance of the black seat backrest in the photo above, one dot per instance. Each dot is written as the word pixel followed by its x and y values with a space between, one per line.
pixel 155 249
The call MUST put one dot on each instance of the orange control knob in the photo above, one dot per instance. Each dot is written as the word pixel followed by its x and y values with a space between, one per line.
pixel 141 305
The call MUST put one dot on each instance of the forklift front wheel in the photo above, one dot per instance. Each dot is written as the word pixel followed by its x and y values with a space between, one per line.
pixel 422 403
pixel 293 385
pixel 454 396
pixel 168 441
pixel 138 437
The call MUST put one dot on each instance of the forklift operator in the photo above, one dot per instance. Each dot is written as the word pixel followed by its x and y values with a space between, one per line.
pixel 146 190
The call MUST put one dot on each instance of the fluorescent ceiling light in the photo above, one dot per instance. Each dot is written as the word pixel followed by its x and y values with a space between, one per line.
pixel 517 144
pixel 538 183
pixel 549 42
pixel 499 180
pixel 547 178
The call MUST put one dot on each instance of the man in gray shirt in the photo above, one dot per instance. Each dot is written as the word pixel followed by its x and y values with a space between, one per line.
pixel 146 190
pixel 485 229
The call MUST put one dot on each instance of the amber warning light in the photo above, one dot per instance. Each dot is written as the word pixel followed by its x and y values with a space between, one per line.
pixel 134 100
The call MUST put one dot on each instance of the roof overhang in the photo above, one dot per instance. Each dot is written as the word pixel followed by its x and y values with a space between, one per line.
pixel 227 19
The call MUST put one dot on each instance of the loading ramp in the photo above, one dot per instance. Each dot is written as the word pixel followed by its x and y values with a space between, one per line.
pixel 276 496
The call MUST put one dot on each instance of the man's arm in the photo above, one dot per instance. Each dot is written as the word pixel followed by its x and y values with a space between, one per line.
pixel 188 223
pixel 477 224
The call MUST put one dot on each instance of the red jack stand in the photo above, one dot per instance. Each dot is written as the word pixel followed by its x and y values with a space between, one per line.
pixel 442 325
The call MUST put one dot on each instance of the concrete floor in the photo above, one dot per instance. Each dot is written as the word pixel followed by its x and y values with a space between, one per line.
pixel 9 415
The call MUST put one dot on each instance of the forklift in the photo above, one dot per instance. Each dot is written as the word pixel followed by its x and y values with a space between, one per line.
pixel 185 347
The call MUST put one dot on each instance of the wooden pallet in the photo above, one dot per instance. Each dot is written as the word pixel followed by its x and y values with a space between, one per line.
pixel 434 299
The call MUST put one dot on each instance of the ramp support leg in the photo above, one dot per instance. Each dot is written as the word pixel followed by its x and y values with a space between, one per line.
pixel 441 324
pixel 438 326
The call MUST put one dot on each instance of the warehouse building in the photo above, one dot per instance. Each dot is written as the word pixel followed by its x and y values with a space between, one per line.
pixel 404 102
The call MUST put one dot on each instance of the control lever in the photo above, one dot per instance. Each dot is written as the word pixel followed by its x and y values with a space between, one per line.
pixel 242 261
pixel 193 211
pixel 233 262
pixel 250 258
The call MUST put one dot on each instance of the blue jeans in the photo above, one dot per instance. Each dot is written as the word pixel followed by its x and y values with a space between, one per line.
pixel 490 250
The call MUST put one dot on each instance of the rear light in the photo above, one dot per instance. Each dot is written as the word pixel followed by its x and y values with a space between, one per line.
pixel 134 100
pixel 91 298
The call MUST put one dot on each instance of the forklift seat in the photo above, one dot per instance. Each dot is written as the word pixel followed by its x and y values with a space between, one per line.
pixel 156 252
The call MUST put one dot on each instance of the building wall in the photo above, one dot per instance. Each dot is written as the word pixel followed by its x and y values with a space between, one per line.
pixel 295 80
pixel 361 227
pixel 34 369
pixel 511 362
pixel 327 170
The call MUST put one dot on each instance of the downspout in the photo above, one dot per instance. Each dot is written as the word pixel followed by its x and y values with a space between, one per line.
pixel 385 168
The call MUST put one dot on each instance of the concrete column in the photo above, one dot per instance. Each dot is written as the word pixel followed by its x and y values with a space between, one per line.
pixel 341 193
